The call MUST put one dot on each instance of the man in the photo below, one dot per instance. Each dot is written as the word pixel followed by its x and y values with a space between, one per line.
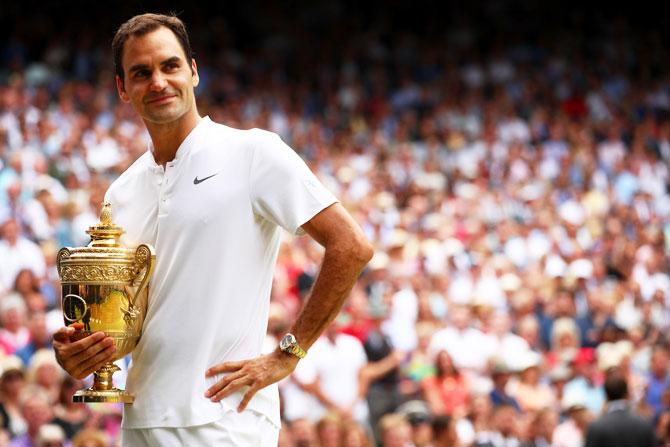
pixel 337 361
pixel 619 426
pixel 211 200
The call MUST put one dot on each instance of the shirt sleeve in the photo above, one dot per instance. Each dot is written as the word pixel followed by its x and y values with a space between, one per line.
pixel 283 189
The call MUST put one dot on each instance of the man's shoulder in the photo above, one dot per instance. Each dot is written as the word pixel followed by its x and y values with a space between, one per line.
pixel 138 168
pixel 620 419
pixel 253 135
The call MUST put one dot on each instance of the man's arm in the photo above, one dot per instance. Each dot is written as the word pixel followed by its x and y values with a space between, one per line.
pixel 346 253
pixel 375 370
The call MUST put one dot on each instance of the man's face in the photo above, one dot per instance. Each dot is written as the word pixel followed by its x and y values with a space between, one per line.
pixel 158 80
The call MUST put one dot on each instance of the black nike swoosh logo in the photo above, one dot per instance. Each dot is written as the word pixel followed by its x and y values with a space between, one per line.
pixel 196 181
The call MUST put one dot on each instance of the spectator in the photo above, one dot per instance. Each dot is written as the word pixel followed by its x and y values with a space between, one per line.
pixel 40 338
pixel 447 392
pixel 11 385
pixel 354 435
pixel 90 438
pixel 531 394
pixel 45 373
pixel 382 373
pixel 618 426
pixel 50 435
pixel 329 430
pixel 303 432
pixel 416 412
pixel 16 253
pixel 444 433
pixel 338 360
pixel 572 431
pixel 13 333
pixel 36 410
pixel 70 416
pixel 542 428
pixel 395 431
pixel 500 375
pixel 658 382
pixel 504 429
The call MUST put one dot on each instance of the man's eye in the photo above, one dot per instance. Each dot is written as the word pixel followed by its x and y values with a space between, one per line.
pixel 172 66
pixel 141 73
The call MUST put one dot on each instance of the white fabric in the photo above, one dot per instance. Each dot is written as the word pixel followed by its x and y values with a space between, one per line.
pixel 297 403
pixel 400 326
pixel 337 366
pixel 233 430
pixel 216 244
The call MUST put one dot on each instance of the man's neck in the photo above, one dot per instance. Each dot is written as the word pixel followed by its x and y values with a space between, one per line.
pixel 167 137
pixel 617 405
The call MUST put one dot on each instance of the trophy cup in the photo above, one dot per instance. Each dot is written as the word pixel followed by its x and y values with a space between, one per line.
pixel 105 287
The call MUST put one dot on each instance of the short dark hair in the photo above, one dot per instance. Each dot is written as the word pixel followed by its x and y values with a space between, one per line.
pixel 143 24
pixel 441 424
pixel 616 386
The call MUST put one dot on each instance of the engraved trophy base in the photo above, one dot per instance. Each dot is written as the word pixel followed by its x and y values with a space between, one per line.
pixel 103 389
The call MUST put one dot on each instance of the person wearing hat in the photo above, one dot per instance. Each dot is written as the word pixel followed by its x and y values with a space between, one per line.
pixel 418 415
pixel 500 373
pixel 586 380
pixel 382 373
pixel 531 393
pixel 571 431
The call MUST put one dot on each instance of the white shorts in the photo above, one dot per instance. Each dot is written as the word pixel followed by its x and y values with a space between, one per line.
pixel 245 429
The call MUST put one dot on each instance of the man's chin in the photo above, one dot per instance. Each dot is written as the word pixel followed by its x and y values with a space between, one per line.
pixel 166 117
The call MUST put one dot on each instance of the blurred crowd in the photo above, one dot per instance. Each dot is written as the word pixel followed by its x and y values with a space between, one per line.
pixel 517 194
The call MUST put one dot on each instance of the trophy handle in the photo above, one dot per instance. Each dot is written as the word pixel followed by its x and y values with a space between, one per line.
pixel 145 256
pixel 69 297
pixel 62 254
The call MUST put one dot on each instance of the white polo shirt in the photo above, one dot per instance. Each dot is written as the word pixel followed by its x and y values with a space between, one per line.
pixel 213 216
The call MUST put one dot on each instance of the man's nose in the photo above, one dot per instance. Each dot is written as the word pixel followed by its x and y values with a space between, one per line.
pixel 158 81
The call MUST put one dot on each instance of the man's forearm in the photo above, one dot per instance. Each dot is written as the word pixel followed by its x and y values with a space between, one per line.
pixel 342 264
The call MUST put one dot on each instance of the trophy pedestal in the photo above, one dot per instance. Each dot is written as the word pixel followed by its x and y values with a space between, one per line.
pixel 103 389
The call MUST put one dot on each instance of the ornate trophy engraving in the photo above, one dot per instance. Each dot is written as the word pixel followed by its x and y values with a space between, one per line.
pixel 105 287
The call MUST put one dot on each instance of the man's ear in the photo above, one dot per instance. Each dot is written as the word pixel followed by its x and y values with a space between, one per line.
pixel 120 87
pixel 194 70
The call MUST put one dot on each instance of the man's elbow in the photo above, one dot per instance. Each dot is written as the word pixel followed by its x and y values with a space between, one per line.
pixel 362 251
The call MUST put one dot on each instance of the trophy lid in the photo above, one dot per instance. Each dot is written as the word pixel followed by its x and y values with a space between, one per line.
pixel 106 233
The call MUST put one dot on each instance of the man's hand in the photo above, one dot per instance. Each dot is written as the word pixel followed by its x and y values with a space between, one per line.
pixel 255 374
pixel 82 357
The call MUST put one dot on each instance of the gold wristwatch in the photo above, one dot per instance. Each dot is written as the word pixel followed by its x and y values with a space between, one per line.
pixel 290 345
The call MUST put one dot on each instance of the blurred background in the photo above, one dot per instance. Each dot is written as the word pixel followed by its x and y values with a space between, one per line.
pixel 508 160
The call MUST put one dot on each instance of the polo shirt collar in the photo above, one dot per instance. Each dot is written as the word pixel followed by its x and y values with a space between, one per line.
pixel 185 146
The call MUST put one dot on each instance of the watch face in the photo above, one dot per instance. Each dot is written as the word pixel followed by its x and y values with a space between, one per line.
pixel 286 342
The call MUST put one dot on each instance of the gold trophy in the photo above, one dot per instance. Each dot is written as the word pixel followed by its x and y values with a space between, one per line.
pixel 105 287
